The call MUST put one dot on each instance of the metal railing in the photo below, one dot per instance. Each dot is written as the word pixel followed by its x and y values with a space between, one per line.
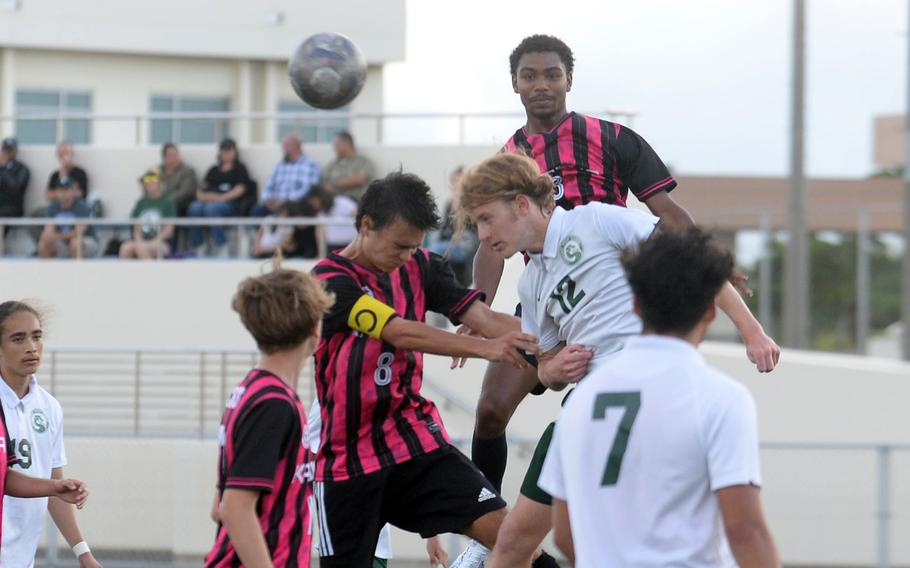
pixel 168 392
pixel 238 223
pixel 380 121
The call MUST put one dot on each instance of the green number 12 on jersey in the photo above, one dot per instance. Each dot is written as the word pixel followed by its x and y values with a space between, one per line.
pixel 631 401
pixel 565 294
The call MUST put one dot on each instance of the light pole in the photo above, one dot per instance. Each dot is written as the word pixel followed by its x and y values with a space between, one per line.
pixel 796 268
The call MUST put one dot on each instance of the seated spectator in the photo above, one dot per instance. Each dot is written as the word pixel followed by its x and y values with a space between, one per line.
pixel 458 247
pixel 270 238
pixel 67 173
pixel 349 173
pixel 14 176
pixel 63 241
pixel 291 178
pixel 336 208
pixel 219 195
pixel 150 238
pixel 177 178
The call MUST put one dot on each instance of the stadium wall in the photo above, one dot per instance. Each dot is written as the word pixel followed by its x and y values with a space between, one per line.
pixel 155 494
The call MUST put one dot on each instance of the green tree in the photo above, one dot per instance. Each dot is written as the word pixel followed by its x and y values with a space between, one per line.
pixel 832 291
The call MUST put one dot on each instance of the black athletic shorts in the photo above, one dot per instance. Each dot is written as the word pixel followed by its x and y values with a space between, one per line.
pixel 539 388
pixel 439 492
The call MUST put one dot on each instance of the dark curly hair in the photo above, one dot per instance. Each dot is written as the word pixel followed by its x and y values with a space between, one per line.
pixel 399 195
pixel 675 277
pixel 540 43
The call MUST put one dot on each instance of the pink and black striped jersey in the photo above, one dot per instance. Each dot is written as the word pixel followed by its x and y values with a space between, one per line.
pixel 8 455
pixel 373 415
pixel 262 449
pixel 594 160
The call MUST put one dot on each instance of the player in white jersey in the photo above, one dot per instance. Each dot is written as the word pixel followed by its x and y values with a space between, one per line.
pixel 34 421
pixel 655 458
pixel 574 297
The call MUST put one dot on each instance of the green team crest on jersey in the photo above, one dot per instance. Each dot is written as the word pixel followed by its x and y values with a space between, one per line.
pixel 570 249
pixel 39 420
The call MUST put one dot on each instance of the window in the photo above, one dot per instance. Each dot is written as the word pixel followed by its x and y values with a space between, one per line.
pixel 41 101
pixel 310 131
pixel 188 130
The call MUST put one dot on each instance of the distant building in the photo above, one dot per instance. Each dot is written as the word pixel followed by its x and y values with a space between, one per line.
pixel 171 56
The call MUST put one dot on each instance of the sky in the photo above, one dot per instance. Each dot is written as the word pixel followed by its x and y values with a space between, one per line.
pixel 709 79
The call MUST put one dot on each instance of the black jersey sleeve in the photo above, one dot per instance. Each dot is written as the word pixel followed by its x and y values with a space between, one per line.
pixel 261 438
pixel 445 295
pixel 639 166
pixel 347 292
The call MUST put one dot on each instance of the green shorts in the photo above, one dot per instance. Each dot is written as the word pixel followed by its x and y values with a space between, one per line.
pixel 529 487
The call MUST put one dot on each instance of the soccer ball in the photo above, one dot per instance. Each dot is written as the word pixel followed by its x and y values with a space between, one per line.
pixel 327 70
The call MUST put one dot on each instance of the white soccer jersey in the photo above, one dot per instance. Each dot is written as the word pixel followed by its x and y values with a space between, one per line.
pixel 639 450
pixel 35 425
pixel 576 290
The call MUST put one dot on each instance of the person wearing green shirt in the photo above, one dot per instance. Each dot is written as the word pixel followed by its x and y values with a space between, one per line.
pixel 151 239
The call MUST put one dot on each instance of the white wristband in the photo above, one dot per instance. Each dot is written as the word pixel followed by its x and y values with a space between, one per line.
pixel 80 548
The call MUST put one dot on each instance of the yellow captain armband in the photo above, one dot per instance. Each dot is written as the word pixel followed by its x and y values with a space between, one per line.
pixel 370 316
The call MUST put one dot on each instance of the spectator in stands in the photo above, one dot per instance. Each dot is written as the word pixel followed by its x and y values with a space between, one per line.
pixel 219 195
pixel 349 173
pixel 459 248
pixel 291 178
pixel 150 238
pixel 177 178
pixel 63 241
pixel 335 208
pixel 14 176
pixel 67 173
pixel 272 237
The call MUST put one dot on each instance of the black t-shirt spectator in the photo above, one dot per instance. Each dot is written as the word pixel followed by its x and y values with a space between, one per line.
pixel 218 181
pixel 14 177
pixel 77 174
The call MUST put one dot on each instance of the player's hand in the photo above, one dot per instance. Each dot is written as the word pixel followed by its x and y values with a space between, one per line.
pixel 458 362
pixel 505 348
pixel 71 490
pixel 87 560
pixel 740 283
pixel 569 366
pixel 436 552
pixel 762 351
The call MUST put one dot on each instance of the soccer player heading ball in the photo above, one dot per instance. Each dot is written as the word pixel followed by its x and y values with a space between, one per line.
pixel 588 160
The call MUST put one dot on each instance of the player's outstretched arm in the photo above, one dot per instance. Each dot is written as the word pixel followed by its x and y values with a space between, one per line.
pixel 488 322
pixel 70 490
pixel 563 365
pixel 760 348
pixel 238 515
pixel 672 215
pixel 744 522
pixel 562 530
pixel 418 336
pixel 488 267
pixel 65 519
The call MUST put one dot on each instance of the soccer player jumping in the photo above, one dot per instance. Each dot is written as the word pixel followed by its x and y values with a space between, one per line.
pixel 589 160
pixel 573 292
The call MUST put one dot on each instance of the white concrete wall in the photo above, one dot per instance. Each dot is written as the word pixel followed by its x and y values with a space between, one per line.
pixel 122 83
pixel 155 493
pixel 207 28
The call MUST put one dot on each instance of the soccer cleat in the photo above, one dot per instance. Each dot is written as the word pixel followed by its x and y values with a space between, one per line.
pixel 474 556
